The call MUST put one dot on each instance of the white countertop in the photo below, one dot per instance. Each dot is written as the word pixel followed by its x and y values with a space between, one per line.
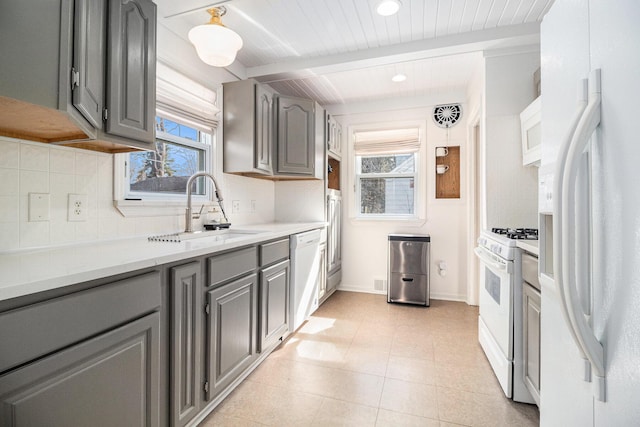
pixel 28 272
pixel 530 246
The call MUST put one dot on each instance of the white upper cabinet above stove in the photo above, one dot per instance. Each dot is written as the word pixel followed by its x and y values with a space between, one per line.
pixel 531 133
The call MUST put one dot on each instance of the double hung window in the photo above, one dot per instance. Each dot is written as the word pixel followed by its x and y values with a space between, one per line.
pixel 387 173
pixel 180 151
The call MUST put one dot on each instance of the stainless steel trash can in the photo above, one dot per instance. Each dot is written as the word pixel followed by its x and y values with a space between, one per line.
pixel 408 269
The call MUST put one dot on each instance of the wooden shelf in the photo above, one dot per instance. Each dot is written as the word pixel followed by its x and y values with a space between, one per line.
pixel 448 183
pixel 333 177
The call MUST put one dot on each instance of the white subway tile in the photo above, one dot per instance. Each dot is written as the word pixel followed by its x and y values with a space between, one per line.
pixel 33 182
pixel 34 157
pixel 59 207
pixel 9 209
pixel 9 182
pixel 86 163
pixel 10 154
pixel 10 233
pixel 87 184
pixel 62 232
pixel 34 234
pixel 62 183
pixel 62 161
pixel 87 230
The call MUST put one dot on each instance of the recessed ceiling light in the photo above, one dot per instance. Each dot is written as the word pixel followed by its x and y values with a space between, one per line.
pixel 399 78
pixel 388 7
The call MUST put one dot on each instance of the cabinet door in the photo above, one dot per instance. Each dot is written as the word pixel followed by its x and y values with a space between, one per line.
pixel 264 130
pixel 296 142
pixel 232 332
pixel 89 54
pixel 186 336
pixel 131 91
pixel 274 304
pixel 334 243
pixel 110 380
pixel 531 340
pixel 322 274
pixel 335 133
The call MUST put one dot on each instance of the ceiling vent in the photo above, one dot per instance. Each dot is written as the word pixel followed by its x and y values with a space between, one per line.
pixel 447 115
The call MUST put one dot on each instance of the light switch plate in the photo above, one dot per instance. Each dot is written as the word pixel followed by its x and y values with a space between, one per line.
pixel 39 207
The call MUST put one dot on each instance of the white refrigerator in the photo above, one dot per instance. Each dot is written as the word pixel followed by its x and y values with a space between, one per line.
pixel 590 214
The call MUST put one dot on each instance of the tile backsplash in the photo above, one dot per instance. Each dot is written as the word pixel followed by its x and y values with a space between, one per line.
pixel 27 167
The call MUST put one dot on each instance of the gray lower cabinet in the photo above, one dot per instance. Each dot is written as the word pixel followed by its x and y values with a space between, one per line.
pixel 186 342
pixel 531 340
pixel 232 326
pixel 110 380
pixel 274 305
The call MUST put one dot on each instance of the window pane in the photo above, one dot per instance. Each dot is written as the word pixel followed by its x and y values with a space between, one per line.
pixel 177 129
pixel 167 169
pixel 398 163
pixel 387 196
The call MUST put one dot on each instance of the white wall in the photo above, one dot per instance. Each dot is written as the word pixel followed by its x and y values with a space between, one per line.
pixel 511 189
pixel 364 248
pixel 27 167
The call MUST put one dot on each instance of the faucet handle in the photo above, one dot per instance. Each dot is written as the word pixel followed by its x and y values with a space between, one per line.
pixel 197 215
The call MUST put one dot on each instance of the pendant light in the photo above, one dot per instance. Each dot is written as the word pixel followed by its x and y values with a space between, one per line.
pixel 216 44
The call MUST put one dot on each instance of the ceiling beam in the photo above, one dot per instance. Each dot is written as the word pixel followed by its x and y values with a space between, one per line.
pixel 494 38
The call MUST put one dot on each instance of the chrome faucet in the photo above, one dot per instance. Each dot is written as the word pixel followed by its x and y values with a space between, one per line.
pixel 188 216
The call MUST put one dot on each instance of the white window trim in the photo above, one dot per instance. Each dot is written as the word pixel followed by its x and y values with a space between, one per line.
pixel 420 184
pixel 153 204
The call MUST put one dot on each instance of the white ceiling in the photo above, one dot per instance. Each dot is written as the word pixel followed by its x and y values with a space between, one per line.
pixel 341 52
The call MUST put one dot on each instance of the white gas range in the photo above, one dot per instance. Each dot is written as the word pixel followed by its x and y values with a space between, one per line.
pixel 501 307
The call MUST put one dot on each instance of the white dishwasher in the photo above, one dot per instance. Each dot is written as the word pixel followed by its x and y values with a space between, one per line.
pixel 305 273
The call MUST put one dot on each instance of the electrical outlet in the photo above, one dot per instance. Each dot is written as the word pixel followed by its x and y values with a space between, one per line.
pixel 77 207
pixel 253 206
pixel 235 206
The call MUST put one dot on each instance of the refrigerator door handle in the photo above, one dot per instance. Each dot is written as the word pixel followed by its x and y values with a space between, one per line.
pixel 558 216
pixel 586 338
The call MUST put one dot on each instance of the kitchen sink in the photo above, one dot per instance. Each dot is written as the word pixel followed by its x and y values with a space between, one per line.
pixel 213 235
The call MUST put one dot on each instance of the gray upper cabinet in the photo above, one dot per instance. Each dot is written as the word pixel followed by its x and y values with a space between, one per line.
pixel 87 73
pixel 85 77
pixel 248 120
pixel 334 137
pixel 295 136
pixel 264 129
pixel 186 338
pixel 267 135
pixel 132 70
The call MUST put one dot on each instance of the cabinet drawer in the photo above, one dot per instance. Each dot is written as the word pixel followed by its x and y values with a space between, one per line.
pixel 38 329
pixel 274 251
pixel 233 264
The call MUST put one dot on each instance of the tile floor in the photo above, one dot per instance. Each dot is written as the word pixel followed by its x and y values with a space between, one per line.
pixel 362 362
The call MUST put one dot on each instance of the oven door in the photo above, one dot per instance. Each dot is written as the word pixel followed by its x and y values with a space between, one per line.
pixel 495 325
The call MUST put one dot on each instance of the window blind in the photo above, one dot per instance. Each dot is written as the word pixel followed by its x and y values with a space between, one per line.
pixel 387 141
pixel 182 99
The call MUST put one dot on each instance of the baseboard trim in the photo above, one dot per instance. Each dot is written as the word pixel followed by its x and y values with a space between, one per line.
pixel 437 295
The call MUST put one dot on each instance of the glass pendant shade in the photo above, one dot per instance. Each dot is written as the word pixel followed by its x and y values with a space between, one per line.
pixel 215 44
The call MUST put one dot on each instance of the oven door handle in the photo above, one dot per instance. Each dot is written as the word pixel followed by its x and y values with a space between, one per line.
pixel 490 259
